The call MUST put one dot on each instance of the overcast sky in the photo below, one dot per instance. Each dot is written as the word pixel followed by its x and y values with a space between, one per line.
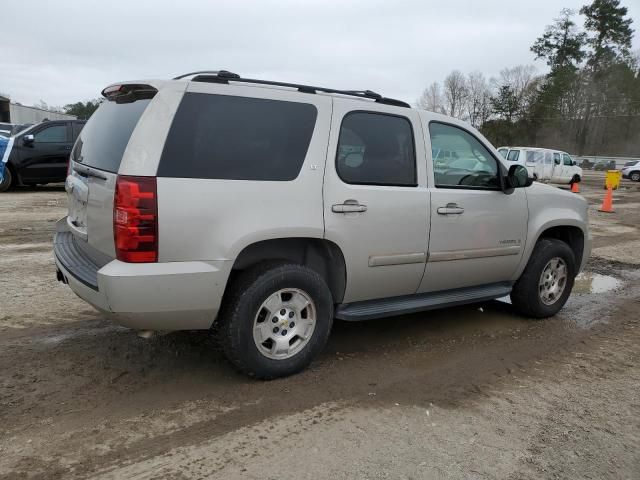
pixel 66 51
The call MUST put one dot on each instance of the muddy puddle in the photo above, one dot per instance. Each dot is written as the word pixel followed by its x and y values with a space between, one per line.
pixel 587 282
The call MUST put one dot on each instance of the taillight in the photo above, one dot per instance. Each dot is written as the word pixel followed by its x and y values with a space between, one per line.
pixel 135 219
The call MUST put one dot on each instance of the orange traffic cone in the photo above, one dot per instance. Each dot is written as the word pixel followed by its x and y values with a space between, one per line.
pixel 575 187
pixel 607 203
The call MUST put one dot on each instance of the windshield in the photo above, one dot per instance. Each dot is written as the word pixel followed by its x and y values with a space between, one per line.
pixel 104 138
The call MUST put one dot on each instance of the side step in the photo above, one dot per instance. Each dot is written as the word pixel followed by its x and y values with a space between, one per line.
pixel 386 307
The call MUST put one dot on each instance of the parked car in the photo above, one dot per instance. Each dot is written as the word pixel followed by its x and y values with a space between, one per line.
pixel 631 170
pixel 40 153
pixel 602 165
pixel 584 163
pixel 268 209
pixel 545 165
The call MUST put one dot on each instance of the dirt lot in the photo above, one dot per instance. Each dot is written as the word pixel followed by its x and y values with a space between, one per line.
pixel 462 393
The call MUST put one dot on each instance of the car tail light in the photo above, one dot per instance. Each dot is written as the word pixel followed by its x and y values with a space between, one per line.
pixel 135 219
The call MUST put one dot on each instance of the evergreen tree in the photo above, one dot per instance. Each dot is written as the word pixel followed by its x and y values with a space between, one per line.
pixel 610 33
pixel 561 44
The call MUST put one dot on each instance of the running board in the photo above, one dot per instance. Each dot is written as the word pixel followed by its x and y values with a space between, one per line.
pixel 386 307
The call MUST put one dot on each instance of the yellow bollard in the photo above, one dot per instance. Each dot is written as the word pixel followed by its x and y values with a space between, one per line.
pixel 612 179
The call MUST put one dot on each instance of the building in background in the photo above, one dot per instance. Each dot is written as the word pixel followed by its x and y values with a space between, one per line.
pixel 14 113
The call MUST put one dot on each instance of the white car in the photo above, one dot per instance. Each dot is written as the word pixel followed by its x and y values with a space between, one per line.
pixel 631 170
pixel 544 165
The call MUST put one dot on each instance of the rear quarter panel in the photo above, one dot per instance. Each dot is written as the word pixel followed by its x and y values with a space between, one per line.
pixel 211 219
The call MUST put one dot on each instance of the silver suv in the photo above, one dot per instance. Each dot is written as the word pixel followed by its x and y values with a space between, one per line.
pixel 269 209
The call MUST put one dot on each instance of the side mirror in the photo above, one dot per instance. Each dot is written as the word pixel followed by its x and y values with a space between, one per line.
pixel 518 177
pixel 574 163
pixel 28 140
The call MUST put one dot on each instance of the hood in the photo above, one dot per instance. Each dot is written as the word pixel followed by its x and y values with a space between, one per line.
pixel 555 196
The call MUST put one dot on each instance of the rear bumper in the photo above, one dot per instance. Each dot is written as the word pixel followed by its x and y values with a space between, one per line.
pixel 144 296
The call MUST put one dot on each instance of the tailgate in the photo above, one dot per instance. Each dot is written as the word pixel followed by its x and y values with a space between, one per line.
pixel 95 161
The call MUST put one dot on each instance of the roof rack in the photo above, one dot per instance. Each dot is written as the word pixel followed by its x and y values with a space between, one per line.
pixel 224 76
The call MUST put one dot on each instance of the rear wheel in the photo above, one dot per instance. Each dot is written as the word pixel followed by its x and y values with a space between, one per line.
pixel 275 320
pixel 7 180
pixel 546 283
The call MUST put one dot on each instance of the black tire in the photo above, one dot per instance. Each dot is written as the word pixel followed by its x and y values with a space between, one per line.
pixel 525 295
pixel 635 176
pixel 7 180
pixel 240 307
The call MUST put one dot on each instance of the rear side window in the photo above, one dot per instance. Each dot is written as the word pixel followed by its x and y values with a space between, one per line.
pixel 513 155
pixel 535 156
pixel 237 138
pixel 105 136
pixel 548 158
pixel 376 149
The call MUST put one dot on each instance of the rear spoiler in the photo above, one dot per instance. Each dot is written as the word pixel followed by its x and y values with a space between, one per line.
pixel 128 92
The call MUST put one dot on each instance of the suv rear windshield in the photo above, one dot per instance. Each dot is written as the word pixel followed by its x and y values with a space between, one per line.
pixel 104 138
pixel 237 138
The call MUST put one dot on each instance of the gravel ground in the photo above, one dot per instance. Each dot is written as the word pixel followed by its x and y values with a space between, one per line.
pixel 470 392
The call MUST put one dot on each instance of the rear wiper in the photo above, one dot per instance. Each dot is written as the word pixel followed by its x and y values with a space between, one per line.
pixel 88 172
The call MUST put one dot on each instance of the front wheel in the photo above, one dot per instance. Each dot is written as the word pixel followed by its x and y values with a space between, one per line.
pixel 546 283
pixel 275 320
pixel 635 176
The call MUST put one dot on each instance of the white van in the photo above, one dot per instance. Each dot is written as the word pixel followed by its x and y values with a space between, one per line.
pixel 544 164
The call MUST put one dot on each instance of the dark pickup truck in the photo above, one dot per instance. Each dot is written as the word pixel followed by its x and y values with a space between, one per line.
pixel 40 154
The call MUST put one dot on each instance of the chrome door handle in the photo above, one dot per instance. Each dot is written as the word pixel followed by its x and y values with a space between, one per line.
pixel 450 209
pixel 349 206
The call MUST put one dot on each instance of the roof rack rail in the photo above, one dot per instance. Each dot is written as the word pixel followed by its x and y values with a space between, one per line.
pixel 224 76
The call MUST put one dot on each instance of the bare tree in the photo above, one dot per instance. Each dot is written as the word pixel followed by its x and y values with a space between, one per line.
pixel 455 94
pixel 478 101
pixel 432 99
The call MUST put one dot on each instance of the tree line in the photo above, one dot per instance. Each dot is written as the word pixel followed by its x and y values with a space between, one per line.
pixel 587 104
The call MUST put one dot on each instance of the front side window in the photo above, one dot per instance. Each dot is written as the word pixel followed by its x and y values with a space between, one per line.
pixel 237 138
pixel 567 159
pixel 52 134
pixel 513 155
pixel 376 149
pixel 471 164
